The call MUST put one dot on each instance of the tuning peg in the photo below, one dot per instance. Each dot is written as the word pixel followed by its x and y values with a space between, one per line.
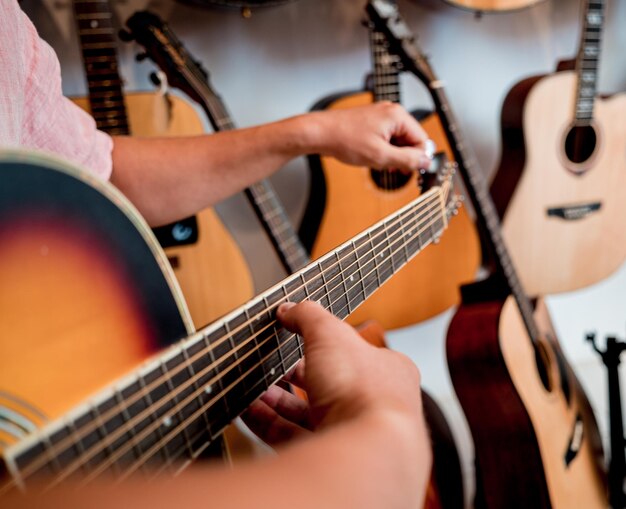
pixel 125 35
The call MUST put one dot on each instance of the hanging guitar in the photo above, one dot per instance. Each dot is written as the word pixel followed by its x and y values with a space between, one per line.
pixel 165 49
pixel 536 441
pixel 115 312
pixel 563 166
pixel 345 199
pixel 196 245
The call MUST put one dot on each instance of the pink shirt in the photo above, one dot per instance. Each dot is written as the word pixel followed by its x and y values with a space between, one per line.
pixel 33 112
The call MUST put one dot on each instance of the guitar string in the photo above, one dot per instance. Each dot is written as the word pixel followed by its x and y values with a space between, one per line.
pixel 171 459
pixel 174 433
pixel 71 468
pixel 91 426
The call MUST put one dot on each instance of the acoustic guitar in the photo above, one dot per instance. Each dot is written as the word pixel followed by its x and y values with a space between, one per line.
pixel 194 246
pixel 536 441
pixel 563 166
pixel 345 199
pixel 111 376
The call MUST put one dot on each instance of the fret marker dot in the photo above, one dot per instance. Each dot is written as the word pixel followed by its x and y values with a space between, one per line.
pixel 351 278
pixel 382 254
pixel 93 23
pixel 208 389
pixel 272 372
pixel 167 421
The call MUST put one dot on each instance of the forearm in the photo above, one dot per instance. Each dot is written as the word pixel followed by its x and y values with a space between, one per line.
pixel 373 462
pixel 381 461
pixel 171 178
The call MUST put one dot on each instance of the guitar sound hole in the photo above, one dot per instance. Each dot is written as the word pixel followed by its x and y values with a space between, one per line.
pixel 543 364
pixel 390 180
pixel 580 143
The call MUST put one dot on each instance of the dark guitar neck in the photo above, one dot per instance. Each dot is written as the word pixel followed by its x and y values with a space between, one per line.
pixel 587 60
pixel 98 48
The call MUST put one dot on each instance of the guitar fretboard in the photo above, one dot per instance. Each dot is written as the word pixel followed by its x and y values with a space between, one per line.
pixel 164 415
pixel 386 75
pixel 98 47
pixel 588 59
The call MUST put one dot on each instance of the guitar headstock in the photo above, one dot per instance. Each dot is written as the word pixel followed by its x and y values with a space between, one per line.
pixel 163 47
pixel 385 17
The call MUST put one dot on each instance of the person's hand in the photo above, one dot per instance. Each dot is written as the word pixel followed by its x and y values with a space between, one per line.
pixel 345 378
pixel 382 135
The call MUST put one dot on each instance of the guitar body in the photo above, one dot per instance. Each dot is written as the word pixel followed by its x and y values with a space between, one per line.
pixel 211 271
pixel 345 200
pixel 564 222
pixel 530 451
pixel 62 342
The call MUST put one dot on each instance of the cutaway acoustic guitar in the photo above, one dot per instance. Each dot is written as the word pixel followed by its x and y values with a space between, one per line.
pixel 563 166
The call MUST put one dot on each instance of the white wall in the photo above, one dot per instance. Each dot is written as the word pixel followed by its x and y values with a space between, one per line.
pixel 284 59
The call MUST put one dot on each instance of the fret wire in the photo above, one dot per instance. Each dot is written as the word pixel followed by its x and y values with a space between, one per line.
pixel 588 58
pixel 145 394
pixel 127 418
pixel 175 393
pixel 158 472
pixel 210 350
pixel 217 382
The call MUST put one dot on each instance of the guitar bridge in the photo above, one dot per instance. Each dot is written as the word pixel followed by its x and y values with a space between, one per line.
pixel 574 212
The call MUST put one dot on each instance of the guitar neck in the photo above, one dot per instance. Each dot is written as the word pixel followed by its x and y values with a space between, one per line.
pixel 98 47
pixel 486 213
pixel 180 402
pixel 386 77
pixel 588 59
pixel 261 195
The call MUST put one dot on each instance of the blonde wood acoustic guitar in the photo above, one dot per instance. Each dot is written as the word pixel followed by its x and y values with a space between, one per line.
pixel 563 167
